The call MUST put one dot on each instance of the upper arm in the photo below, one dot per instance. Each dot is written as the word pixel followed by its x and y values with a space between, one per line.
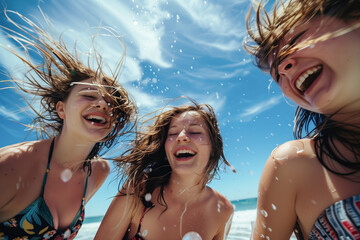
pixel 100 171
pixel 227 211
pixel 9 175
pixel 117 218
pixel 276 214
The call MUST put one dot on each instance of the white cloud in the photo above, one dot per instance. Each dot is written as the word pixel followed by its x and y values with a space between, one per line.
pixel 9 114
pixel 8 60
pixel 145 30
pixel 260 107
pixel 209 16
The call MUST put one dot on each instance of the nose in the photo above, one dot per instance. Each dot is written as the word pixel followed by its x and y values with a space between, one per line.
pixel 102 104
pixel 286 66
pixel 182 137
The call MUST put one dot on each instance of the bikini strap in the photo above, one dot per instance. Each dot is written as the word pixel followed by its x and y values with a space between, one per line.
pixel 48 166
pixel 86 183
pixel 141 219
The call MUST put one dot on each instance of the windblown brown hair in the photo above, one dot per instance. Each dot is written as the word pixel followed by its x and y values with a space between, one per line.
pixel 145 164
pixel 266 31
pixel 52 80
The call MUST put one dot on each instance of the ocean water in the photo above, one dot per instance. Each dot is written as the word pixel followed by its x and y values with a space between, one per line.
pixel 241 227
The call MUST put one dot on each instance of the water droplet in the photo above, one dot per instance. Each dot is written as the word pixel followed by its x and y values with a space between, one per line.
pixel 66 175
pixel 264 213
pixel 273 206
pixel 270 229
pixel 219 207
pixel 313 202
pixel 267 238
pixel 144 233
pixel 164 228
pixel 148 197
pixel 192 236
pixel 67 234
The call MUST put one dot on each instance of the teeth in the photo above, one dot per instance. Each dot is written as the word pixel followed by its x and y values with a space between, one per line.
pixel 304 76
pixel 95 117
pixel 184 151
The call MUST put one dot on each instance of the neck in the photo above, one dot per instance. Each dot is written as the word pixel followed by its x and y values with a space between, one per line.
pixel 184 188
pixel 70 154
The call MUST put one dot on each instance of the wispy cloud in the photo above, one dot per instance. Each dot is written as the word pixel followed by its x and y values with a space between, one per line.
pixel 209 16
pixel 9 114
pixel 259 108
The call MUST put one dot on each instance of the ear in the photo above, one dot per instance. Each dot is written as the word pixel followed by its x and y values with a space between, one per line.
pixel 60 109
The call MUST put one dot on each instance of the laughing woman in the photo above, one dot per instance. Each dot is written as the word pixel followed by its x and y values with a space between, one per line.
pixel 45 184
pixel 165 195
pixel 311 185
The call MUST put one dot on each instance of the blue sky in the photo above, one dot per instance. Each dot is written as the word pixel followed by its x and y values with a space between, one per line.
pixel 173 48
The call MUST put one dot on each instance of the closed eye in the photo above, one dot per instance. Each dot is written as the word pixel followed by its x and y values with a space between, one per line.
pixel 90 97
pixel 293 41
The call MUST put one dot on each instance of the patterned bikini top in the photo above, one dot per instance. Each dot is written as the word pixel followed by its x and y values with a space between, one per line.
pixel 36 221
pixel 339 221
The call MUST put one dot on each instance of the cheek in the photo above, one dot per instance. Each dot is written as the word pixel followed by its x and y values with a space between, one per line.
pixel 168 143
pixel 286 89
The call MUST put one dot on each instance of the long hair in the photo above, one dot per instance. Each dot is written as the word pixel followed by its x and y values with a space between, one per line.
pixel 52 80
pixel 145 164
pixel 265 35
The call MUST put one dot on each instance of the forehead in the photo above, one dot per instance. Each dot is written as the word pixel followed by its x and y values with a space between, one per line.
pixel 187 118
pixel 91 84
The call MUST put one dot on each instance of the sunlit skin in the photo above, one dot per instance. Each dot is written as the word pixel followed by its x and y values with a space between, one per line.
pixel 191 208
pixel 20 186
pixel 294 186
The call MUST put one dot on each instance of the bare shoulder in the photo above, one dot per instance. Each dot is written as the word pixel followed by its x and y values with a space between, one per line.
pixel 302 148
pixel 281 180
pixel 21 165
pixel 292 156
pixel 101 167
pixel 221 204
pixel 23 154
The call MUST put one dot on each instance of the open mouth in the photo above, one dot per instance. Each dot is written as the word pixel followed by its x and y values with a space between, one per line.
pixel 95 119
pixel 184 154
pixel 306 79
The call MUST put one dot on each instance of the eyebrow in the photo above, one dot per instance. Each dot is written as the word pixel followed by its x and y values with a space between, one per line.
pixel 191 125
pixel 88 88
